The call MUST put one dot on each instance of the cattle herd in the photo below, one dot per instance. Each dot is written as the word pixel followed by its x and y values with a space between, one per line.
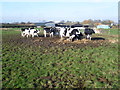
pixel 64 32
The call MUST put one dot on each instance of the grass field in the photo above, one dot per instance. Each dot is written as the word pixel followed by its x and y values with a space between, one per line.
pixel 45 63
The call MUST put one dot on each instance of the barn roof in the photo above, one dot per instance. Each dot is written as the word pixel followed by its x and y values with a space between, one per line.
pixel 39 24
pixel 50 24
pixel 77 25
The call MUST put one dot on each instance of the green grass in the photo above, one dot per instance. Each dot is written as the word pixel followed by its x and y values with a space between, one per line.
pixel 30 66
pixel 111 31
pixel 11 31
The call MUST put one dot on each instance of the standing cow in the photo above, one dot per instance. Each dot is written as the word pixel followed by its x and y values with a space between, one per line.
pixel 50 30
pixel 88 32
pixel 25 32
pixel 28 32
pixel 70 33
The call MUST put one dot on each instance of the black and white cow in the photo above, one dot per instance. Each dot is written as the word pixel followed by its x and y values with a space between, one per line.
pixel 75 34
pixel 63 31
pixel 25 32
pixel 34 32
pixel 50 30
pixel 70 33
pixel 28 32
pixel 88 32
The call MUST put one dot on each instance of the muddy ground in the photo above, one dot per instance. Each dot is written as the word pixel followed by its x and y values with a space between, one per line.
pixel 55 41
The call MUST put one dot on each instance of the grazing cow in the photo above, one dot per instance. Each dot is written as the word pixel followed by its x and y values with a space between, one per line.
pixel 50 30
pixel 25 32
pixel 88 32
pixel 62 31
pixel 75 34
pixel 29 32
pixel 70 33
pixel 33 32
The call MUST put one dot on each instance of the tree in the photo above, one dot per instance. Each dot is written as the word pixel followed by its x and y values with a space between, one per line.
pixel 62 21
pixel 29 22
pixel 97 21
pixel 22 22
pixel 107 22
pixel 90 22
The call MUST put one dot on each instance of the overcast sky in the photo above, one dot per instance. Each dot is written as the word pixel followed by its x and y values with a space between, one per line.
pixel 74 10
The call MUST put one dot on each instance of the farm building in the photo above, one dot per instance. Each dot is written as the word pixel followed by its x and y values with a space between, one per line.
pixel 103 26
pixel 50 24
pixel 39 24
pixel 80 26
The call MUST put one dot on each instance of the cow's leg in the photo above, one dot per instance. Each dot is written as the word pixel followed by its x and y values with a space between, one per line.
pixel 61 36
pixel 71 37
pixel 90 37
pixel 32 35
pixel 23 34
pixel 27 35
pixel 51 34
pixel 44 33
pixel 37 35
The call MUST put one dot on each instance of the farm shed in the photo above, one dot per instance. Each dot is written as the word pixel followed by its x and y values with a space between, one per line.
pixel 50 24
pixel 77 25
pixel 103 26
pixel 62 25
pixel 39 24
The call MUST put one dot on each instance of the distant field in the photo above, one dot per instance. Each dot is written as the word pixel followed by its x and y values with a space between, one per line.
pixel 111 31
pixel 45 62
